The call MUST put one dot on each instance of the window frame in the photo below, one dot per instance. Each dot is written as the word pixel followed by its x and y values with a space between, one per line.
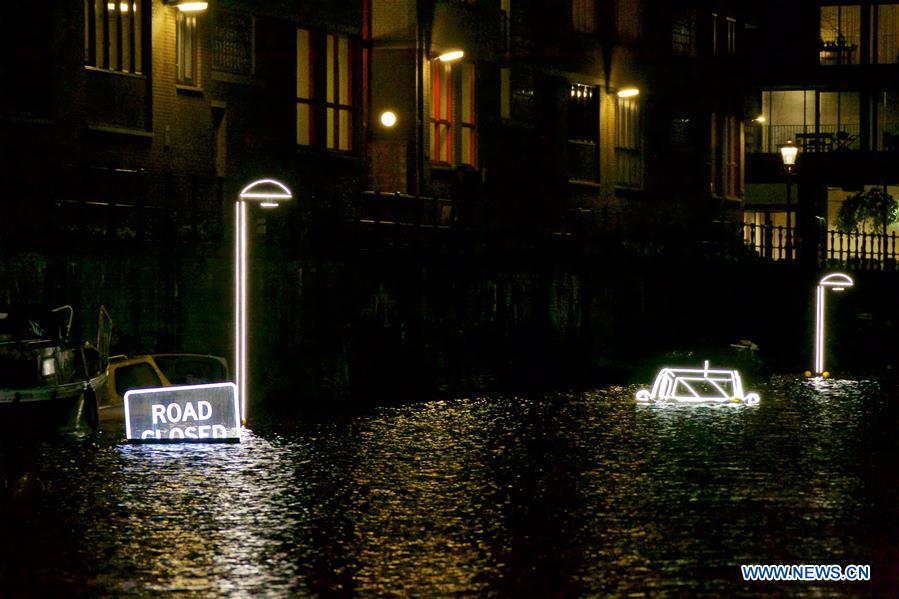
pixel 583 110
pixel 186 27
pixel 135 63
pixel 334 103
pixel 836 46
pixel 453 114
pixel 629 142
pixel 727 156
pixel 329 103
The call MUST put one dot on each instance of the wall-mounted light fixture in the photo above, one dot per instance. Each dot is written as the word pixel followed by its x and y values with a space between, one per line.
pixel 451 56
pixel 628 92
pixel 759 119
pixel 187 5
pixel 388 118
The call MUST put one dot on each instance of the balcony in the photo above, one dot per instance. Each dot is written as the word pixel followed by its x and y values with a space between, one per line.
pixel 824 138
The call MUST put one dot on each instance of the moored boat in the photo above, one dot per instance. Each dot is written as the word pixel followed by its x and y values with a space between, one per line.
pixel 46 379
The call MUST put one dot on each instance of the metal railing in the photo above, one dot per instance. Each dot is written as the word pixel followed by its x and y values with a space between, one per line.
pixel 420 211
pixel 854 250
pixel 825 138
pixel 860 250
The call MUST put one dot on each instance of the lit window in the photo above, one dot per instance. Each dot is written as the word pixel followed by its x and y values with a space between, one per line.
pixel 505 93
pixel 113 35
pixel 886 48
pixel 583 132
pixel 324 60
pixel 629 142
pixel 453 126
pixel 186 49
pixel 726 156
pixel 304 88
pixel 467 105
pixel 339 102
pixel 839 35
pixel 583 15
pixel 442 112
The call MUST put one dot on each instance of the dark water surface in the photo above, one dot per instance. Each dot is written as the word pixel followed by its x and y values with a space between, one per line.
pixel 569 494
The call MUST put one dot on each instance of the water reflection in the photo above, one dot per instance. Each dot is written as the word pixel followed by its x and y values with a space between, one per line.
pixel 564 494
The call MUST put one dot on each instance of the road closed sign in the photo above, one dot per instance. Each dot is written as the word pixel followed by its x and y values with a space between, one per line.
pixel 183 414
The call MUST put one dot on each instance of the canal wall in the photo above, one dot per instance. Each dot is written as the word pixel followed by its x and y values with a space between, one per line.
pixel 388 324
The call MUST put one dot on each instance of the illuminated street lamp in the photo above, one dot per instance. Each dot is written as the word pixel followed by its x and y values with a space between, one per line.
pixel 837 282
pixel 267 193
pixel 788 154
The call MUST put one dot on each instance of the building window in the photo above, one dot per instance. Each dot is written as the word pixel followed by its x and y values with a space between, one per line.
pixel 339 96
pixel 505 19
pixel 629 142
pixel 233 49
pixel 731 36
pixel 886 47
pixel 186 49
pixel 726 156
pixel 583 132
pixel 324 60
pixel 113 35
pixel 886 131
pixel 714 34
pixel 505 93
pixel 683 42
pixel 791 114
pixel 839 36
pixel 583 15
pixel 453 126
pixel 304 88
pixel 441 112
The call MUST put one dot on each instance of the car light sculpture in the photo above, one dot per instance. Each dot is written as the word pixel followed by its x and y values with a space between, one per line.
pixel 698 386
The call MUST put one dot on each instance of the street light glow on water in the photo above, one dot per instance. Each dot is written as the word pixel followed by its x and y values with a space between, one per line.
pixel 570 494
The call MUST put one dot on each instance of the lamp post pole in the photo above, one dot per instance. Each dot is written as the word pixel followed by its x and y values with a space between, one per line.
pixel 268 193
pixel 788 153
pixel 837 282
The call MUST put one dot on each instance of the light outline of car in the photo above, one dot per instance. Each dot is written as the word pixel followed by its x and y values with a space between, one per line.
pixel 674 385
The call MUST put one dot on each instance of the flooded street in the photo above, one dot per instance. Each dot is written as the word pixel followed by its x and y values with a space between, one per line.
pixel 568 494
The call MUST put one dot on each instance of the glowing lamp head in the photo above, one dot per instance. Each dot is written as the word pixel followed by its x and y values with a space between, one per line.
pixel 388 118
pixel 628 92
pixel 268 192
pixel 192 6
pixel 760 118
pixel 788 153
pixel 837 281
pixel 451 56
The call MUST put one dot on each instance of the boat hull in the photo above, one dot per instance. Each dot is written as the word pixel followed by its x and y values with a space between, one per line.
pixel 68 406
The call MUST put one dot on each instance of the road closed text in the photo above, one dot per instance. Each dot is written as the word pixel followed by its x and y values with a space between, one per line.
pixel 188 413
pixel 184 422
